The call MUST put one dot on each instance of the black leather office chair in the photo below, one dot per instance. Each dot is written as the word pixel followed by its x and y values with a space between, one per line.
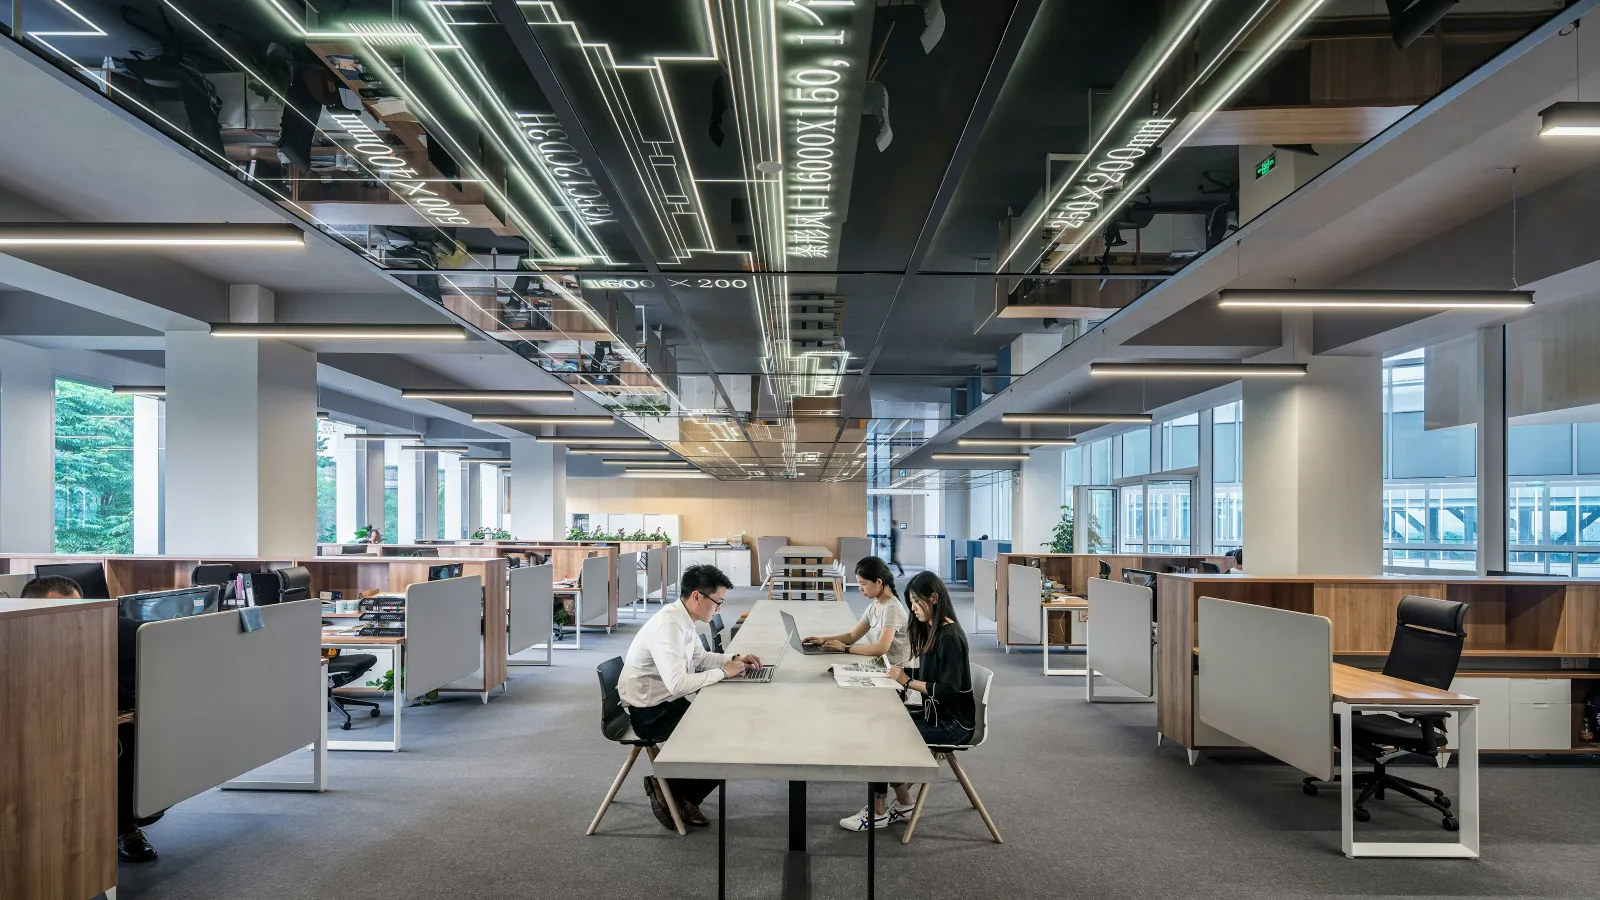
pixel 1238 557
pixel 215 573
pixel 616 726
pixel 294 584
pixel 344 668
pixel 1210 568
pixel 1428 637
pixel 1105 570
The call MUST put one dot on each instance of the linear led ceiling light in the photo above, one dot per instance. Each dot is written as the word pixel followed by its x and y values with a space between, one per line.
pixel 384 436
pixel 1016 442
pixel 1197 370
pixel 596 441
pixel 535 396
pixel 324 414
pixel 618 451
pixel 544 420
pixel 1281 299
pixel 437 448
pixel 339 332
pixel 647 463
pixel 658 473
pixel 1084 418
pixel 142 390
pixel 139 234
pixel 965 457
pixel 1570 119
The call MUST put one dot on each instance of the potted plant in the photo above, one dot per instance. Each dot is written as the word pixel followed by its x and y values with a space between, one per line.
pixel 1061 536
pixel 386 684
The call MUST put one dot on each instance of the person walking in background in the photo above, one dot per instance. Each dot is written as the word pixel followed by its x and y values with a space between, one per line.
pixel 894 546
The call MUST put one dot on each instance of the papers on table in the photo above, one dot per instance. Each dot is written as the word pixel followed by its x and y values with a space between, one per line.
pixel 863 675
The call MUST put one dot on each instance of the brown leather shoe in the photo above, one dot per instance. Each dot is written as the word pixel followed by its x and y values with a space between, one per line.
pixel 657 806
pixel 692 815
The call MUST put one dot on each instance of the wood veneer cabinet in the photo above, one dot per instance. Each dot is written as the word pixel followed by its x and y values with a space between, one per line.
pixel 1075 570
pixel 58 749
pixel 1517 627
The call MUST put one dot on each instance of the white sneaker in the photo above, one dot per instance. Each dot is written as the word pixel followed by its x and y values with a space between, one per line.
pixel 858 822
pixel 899 812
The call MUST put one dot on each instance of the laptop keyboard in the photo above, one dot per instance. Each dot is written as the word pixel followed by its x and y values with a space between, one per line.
pixel 763 674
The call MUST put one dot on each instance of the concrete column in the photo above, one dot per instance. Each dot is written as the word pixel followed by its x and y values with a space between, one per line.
pixel 1203 503
pixel 149 512
pixel 502 496
pixel 538 490
pixel 1313 470
pixel 430 495
pixel 350 473
pixel 1037 501
pixel 1492 449
pixel 419 496
pixel 455 493
pixel 472 486
pixel 373 501
pixel 241 447
pixel 27 450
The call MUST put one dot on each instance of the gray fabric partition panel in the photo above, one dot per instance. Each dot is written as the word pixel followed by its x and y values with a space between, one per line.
pixel 674 573
pixel 216 702
pixel 444 632
pixel 1022 606
pixel 851 551
pixel 1266 678
pixel 983 596
pixel 655 562
pixel 627 578
pixel 765 548
pixel 596 586
pixel 532 605
pixel 1120 645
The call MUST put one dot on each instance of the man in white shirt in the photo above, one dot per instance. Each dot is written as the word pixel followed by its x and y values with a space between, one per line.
pixel 664 666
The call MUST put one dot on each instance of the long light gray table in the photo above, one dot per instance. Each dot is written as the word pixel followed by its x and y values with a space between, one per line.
pixel 801 727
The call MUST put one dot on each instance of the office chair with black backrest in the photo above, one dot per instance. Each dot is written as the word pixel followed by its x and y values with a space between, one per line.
pixel 1428 637
pixel 1105 570
pixel 1210 568
pixel 215 573
pixel 616 726
pixel 294 583
pixel 344 668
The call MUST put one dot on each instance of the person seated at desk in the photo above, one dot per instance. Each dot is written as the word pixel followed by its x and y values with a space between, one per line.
pixel 374 535
pixel 132 845
pixel 944 678
pixel 882 630
pixel 663 667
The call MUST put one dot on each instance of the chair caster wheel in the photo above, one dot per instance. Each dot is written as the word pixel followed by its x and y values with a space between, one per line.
pixel 1309 789
pixel 373 714
pixel 1362 815
pixel 1450 824
pixel 345 726
pixel 1444 801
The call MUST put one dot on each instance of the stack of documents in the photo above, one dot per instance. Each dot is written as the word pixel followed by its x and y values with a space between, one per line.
pixel 864 675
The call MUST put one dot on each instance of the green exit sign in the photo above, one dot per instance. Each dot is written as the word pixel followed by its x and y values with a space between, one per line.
pixel 1266 165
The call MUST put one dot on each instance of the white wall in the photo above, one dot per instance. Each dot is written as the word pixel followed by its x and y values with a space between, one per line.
pixel 538 490
pixel 27 450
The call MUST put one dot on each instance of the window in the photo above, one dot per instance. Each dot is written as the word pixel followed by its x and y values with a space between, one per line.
pixel 1180 442
pixel 1100 462
pixel 327 483
pixel 1430 492
pixel 391 490
pixel 1227 486
pixel 94 469
pixel 1135 452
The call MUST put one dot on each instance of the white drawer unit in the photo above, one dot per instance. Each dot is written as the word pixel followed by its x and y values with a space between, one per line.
pixel 1519 713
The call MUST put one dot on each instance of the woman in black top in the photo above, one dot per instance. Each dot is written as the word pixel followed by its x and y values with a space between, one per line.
pixel 948 714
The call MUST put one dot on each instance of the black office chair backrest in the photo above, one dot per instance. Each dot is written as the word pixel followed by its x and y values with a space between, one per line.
pixel 1105 570
pixel 614 721
pixel 1210 568
pixel 716 633
pixel 211 573
pixel 1428 637
pixel 294 583
pixel 1238 556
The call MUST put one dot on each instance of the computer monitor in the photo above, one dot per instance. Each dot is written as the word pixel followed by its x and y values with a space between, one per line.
pixel 11 585
pixel 424 551
pixel 1140 577
pixel 352 549
pixel 158 606
pixel 90 577
pixel 446 570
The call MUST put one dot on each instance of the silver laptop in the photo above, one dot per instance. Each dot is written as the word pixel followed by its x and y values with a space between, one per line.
pixel 797 642
pixel 764 674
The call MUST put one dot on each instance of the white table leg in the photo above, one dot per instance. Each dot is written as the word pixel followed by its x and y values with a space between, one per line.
pixel 1467 811
pixel 1347 781
pixel 1466 808
pixel 399 702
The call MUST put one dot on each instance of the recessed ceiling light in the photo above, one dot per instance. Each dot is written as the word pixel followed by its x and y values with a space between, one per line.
pixel 1198 370
pixel 544 420
pixel 1281 299
pixel 341 332
pixel 134 234
pixel 537 396
pixel 1073 418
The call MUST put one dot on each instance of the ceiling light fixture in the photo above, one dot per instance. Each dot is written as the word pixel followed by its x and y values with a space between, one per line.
pixel 617 451
pixel 1570 119
pixel 324 415
pixel 1016 442
pixel 143 390
pixel 656 473
pixel 647 463
pixel 437 448
pixel 964 457
pixel 532 396
pixel 544 420
pixel 1291 299
pixel 595 441
pixel 1197 370
pixel 384 436
pixel 1087 418
pixel 340 332
pixel 138 234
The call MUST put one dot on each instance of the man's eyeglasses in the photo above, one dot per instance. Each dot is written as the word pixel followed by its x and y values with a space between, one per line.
pixel 714 601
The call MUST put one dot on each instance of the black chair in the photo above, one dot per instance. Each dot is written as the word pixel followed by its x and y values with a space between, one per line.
pixel 1428 637
pixel 294 583
pixel 1105 570
pixel 1238 557
pixel 214 573
pixel 1210 568
pixel 616 726
pixel 344 668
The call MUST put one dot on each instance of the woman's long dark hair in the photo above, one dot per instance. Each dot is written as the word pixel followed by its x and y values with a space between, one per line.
pixel 930 587
pixel 871 568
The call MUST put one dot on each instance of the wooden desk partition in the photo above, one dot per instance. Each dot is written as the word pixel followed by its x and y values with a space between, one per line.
pixel 1519 627
pixel 349 574
pixel 58 749
pixel 1075 570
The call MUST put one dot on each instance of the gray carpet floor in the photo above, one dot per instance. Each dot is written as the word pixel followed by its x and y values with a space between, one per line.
pixel 492 802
